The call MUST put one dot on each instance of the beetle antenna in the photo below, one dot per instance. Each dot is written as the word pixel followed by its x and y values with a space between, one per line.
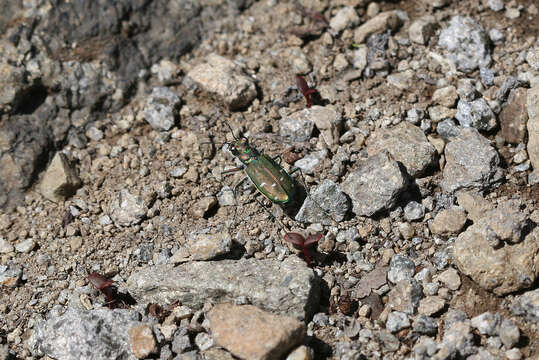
pixel 232 131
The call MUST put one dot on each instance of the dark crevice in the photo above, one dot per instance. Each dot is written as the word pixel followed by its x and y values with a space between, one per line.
pixel 32 99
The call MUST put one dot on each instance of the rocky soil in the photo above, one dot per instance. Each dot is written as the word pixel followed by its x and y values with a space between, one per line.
pixel 123 235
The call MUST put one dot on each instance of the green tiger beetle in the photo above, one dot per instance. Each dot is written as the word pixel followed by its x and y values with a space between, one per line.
pixel 266 174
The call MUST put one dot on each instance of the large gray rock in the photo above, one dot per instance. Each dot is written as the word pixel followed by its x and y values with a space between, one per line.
pixel 375 185
pixel 82 334
pixel 472 163
pixel 406 143
pixel 503 270
pixel 467 44
pixel 286 288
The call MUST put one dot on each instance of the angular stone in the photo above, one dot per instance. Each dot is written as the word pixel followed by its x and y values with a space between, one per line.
pixel 327 121
pixel 486 323
pixel 527 305
pixel 161 110
pixel 327 203
pixel 472 163
pixel 446 96
pixel 406 143
pixel 375 185
pixel 297 126
pixel 422 30
pixel 405 296
pixel 467 44
pixel 474 203
pixel 127 209
pixel 60 180
pixel 250 333
pixel 288 287
pixel 476 114
pixel 345 18
pixel 221 76
pixel 400 268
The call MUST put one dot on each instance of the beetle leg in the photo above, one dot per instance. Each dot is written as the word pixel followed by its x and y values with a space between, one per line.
pixel 232 170
pixel 280 159
pixel 281 225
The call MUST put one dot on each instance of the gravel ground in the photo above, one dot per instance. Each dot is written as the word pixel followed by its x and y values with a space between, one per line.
pixel 126 233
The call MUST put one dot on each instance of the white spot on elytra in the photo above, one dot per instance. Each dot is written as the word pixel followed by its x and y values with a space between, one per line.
pixel 263 184
pixel 281 178
pixel 273 185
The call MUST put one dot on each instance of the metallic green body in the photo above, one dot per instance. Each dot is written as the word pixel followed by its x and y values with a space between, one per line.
pixel 265 173
pixel 271 179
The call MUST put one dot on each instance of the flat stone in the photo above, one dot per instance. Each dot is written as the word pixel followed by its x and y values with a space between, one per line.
pixel 251 333
pixel 407 144
pixel 449 221
pixel 142 340
pixel 514 117
pixel 288 287
pixel 221 76
pixel 402 80
pixel 430 305
pixel 206 246
pixel 26 246
pixel 60 180
pixel 377 25
pixel 532 104
pixel 503 270
pixel 374 185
